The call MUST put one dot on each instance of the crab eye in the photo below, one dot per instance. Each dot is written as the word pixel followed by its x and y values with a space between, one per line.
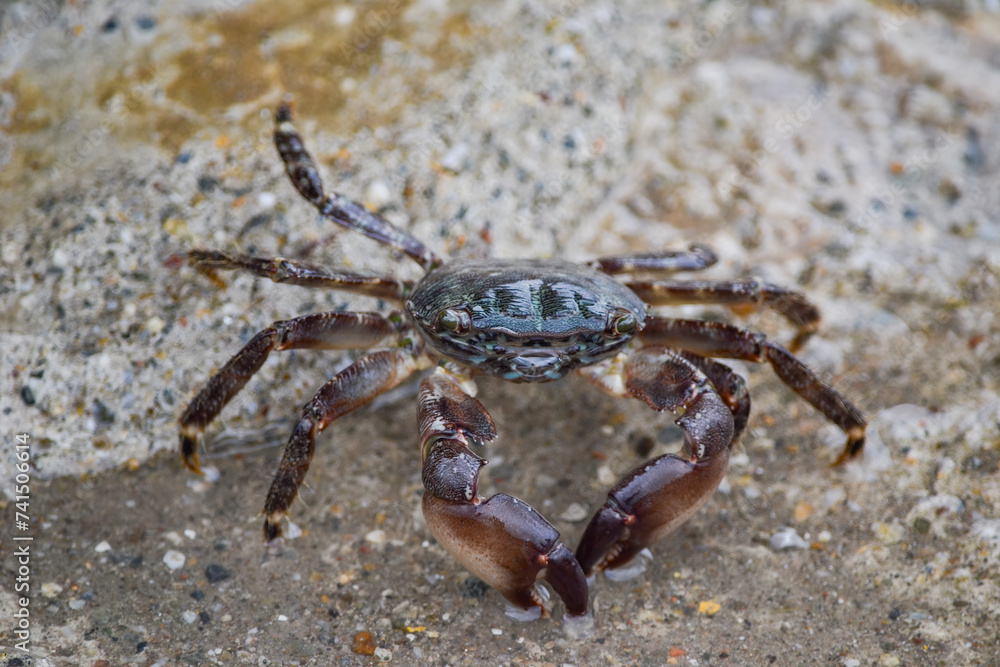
pixel 621 322
pixel 455 320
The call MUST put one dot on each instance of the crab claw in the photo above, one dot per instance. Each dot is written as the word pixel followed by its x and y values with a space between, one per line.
pixel 661 494
pixel 502 540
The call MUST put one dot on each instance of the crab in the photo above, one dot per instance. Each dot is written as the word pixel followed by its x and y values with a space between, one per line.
pixel 523 321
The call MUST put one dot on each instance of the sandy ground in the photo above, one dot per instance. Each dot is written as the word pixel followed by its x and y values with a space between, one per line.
pixel 844 147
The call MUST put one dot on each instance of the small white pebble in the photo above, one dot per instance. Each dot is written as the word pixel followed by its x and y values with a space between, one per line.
pixel 383 655
pixel 344 15
pixel 824 536
pixel 787 538
pixel 102 547
pixel 226 618
pixel 605 476
pixel 173 559
pixel 889 533
pixel 566 53
pixel 210 474
pixel 154 325
pixel 59 258
pixel 51 589
pixel 189 616
pixel 575 512
pixel 282 618
pixel 378 194
pixel 266 200
pixel 454 159
pixel 497 631
pixel 292 531
pixel 752 492
pixel 190 534
pixel 129 309
pixel 376 537
pixel 77 604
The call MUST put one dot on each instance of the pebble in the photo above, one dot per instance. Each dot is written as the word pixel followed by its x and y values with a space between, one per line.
pixel 266 200
pixel 383 655
pixel 292 531
pixel 377 195
pixel 575 512
pixel 77 604
pixel 189 616
pixel 376 537
pixel 889 533
pixel 454 160
pixel 216 573
pixel 566 54
pixel 787 538
pixel 364 643
pixel 606 476
pixel 173 559
pixel 344 15
pixel 51 589
pixel 154 325
pixel 102 547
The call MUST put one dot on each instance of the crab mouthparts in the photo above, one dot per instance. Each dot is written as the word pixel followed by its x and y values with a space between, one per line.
pixel 537 365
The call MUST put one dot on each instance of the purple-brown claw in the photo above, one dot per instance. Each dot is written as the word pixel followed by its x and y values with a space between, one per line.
pixel 509 545
pixel 502 540
pixel 660 495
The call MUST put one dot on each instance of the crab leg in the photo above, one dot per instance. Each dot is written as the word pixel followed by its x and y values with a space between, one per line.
pixel 327 331
pixel 716 339
pixel 352 388
pixel 302 172
pixel 655 498
pixel 696 258
pixel 793 305
pixel 293 272
pixel 502 540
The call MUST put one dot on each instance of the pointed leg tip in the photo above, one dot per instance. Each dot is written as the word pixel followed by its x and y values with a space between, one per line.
pixel 284 114
pixel 852 450
pixel 189 453
pixel 272 529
